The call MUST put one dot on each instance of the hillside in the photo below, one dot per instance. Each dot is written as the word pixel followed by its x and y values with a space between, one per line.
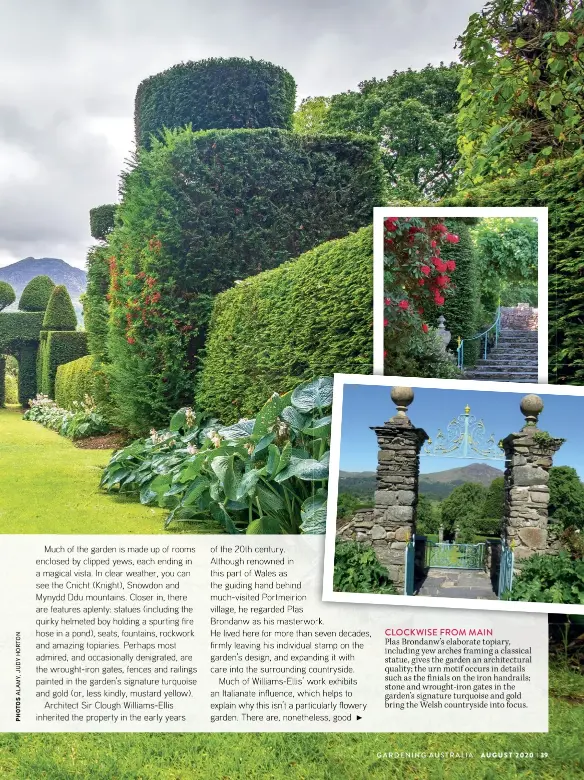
pixel 19 275
pixel 437 485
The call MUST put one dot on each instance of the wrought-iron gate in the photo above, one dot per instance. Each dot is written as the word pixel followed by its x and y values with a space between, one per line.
pixel 410 555
pixel 505 569
pixel 441 555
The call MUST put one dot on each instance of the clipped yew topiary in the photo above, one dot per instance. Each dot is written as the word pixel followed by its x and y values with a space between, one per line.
pixel 7 295
pixel 214 94
pixel 101 220
pixel 56 348
pixel 36 294
pixel 95 305
pixel 309 317
pixel 201 211
pixel 60 314
pixel 76 380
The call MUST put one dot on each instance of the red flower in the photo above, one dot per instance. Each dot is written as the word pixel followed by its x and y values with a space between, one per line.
pixel 451 265
pixel 421 282
pixel 390 224
pixel 420 310
pixel 131 340
pixel 425 269
pixel 433 244
pixel 385 322
pixel 438 299
pixel 451 238
pixel 425 328
pixel 387 301
pixel 442 281
pixel 439 264
pixel 440 228
pixel 403 305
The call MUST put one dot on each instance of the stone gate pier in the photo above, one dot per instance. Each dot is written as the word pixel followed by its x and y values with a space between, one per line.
pixel 396 496
pixel 529 457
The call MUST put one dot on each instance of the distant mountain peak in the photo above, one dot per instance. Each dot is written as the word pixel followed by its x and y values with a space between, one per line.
pixel 20 273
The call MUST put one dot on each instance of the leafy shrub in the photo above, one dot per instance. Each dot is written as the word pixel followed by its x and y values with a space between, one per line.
pixel 36 294
pixel 7 295
pixel 27 371
pixel 177 246
pixel 214 94
pixel 10 389
pixel 272 330
pixel 78 423
pixel 74 381
pixel 521 86
pixel 566 505
pixel 60 314
pixel 551 579
pixel 357 570
pixel 101 220
pixel 558 187
pixel 56 348
pixel 261 476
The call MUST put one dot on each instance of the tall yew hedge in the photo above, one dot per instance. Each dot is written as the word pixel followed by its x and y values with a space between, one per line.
pixel 201 211
pixel 311 316
pixel 560 188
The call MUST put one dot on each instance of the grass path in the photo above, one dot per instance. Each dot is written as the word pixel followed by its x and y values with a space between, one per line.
pixel 265 756
pixel 49 486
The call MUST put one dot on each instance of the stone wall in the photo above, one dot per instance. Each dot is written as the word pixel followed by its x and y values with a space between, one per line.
pixel 529 457
pixel 521 317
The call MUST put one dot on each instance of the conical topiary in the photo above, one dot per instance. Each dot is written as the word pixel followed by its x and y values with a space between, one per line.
pixel 7 295
pixel 60 314
pixel 36 294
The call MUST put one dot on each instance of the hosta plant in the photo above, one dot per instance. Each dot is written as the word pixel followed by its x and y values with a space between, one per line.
pixel 262 476
pixel 82 421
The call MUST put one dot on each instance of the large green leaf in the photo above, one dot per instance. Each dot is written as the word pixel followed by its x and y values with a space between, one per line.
pixel 219 513
pixel 269 412
pixel 313 514
pixel 316 394
pixel 178 420
pixel 304 468
pixel 319 428
pixel 264 525
pixel 247 484
pixel 270 502
pixel 240 430
pixel 231 479
pixel 195 490
pixel 295 419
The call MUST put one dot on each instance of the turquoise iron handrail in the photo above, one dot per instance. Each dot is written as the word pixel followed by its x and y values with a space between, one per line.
pixel 460 349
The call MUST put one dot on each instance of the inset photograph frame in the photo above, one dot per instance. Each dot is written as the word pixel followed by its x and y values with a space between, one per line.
pixel 471 292
pixel 496 467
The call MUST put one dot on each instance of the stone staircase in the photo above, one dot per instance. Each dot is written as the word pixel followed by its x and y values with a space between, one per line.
pixel 514 359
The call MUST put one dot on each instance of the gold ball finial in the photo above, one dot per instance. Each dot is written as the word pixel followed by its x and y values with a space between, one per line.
pixel 467 409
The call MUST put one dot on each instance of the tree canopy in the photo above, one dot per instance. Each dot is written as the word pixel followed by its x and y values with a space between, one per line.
pixel 522 87
pixel 413 116
pixel 566 497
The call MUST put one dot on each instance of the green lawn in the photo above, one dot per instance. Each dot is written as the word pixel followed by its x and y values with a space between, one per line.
pixel 305 756
pixel 49 486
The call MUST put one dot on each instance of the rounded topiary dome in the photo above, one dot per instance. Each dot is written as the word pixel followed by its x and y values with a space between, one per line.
pixel 36 294
pixel 60 314
pixel 215 94
pixel 7 295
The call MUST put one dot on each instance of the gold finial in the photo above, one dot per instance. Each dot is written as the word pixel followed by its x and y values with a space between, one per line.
pixel 467 409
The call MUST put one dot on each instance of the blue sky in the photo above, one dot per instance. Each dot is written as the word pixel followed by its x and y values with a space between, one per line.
pixel 367 405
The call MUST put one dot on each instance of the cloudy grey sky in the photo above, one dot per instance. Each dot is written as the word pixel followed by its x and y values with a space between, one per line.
pixel 69 71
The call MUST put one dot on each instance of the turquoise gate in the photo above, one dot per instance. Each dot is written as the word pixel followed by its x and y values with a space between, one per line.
pixel 410 560
pixel 441 555
pixel 505 569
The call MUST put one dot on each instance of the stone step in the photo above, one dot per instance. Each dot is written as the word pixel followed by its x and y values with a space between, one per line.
pixel 489 377
pixel 508 367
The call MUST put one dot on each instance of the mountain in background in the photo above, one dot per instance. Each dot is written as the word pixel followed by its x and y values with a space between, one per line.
pixel 437 485
pixel 19 275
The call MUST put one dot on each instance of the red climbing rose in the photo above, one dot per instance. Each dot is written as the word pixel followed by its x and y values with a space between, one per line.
pixel 403 305
pixel 425 328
